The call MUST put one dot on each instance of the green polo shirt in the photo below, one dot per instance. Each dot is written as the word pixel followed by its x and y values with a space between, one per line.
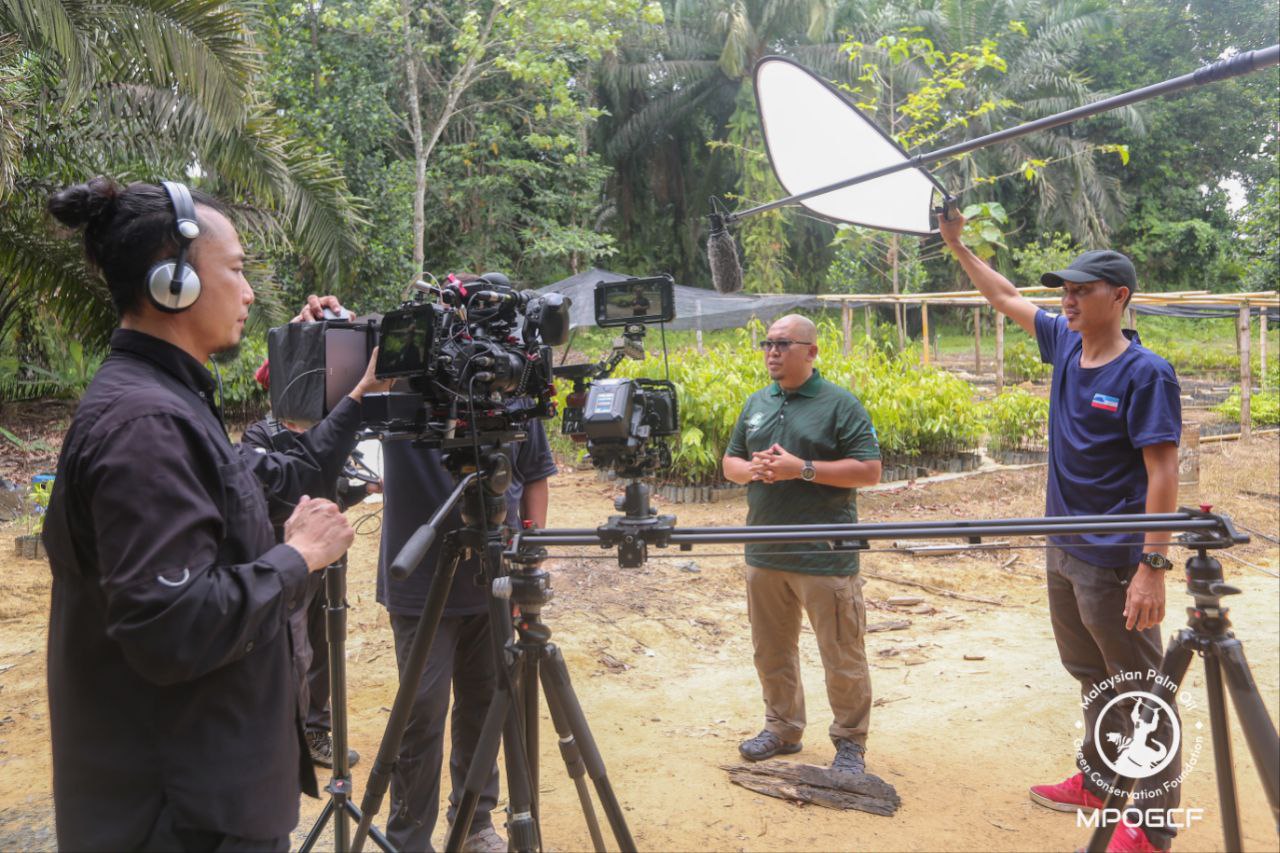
pixel 818 421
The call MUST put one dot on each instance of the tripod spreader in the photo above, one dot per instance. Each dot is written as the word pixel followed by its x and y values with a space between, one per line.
pixel 1199 529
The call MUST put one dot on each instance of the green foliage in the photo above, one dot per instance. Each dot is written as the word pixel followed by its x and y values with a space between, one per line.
pixel 1264 408
pixel 983 226
pixel 1049 252
pixel 243 399
pixel 1015 419
pixel 916 410
pixel 1022 360
pixel 39 502
pixel 1260 237
pixel 141 89
pixel 56 363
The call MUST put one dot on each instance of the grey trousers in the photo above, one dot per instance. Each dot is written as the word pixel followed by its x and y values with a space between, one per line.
pixel 462 658
pixel 1086 605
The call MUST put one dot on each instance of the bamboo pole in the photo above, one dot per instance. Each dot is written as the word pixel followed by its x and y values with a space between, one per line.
pixel 866 316
pixel 1246 380
pixel 999 352
pixel 924 332
pixel 697 310
pixel 977 340
pixel 846 327
pixel 1262 343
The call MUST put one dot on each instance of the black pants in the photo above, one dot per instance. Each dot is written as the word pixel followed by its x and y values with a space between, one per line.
pixel 461 657
pixel 309 634
pixel 317 678
pixel 167 838
pixel 1086 604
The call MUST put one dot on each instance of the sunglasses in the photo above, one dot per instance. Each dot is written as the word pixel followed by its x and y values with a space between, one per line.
pixel 782 345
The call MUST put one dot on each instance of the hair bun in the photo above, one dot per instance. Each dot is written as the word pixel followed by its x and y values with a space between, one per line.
pixel 81 204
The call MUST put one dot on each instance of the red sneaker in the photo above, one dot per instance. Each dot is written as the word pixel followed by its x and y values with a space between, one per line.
pixel 1066 796
pixel 1131 839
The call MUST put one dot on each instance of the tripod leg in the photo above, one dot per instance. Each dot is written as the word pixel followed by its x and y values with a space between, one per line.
pixel 499 718
pixel 416 661
pixel 316 828
pixel 1259 730
pixel 1174 666
pixel 335 633
pixel 556 679
pixel 529 689
pixel 573 763
pixel 1222 762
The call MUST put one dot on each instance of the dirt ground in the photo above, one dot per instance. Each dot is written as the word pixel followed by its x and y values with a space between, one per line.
pixel 971 704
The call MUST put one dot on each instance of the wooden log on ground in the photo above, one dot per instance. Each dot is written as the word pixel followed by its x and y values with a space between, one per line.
pixel 807 783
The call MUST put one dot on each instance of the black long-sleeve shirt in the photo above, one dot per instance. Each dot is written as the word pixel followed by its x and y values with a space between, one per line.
pixel 169 661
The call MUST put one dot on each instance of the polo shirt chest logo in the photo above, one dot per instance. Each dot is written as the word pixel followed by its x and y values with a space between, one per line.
pixel 1106 403
pixel 753 422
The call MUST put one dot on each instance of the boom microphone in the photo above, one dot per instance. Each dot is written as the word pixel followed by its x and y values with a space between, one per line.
pixel 722 256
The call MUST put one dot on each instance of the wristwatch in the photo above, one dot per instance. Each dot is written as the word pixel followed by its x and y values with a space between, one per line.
pixel 808 472
pixel 1158 562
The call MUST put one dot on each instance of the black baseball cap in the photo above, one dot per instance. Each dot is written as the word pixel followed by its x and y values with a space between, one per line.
pixel 1103 264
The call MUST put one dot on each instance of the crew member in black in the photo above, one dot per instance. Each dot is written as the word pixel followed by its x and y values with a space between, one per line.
pixel 307 623
pixel 173 713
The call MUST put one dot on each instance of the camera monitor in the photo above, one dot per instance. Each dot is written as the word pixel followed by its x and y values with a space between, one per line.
pixel 405 342
pixel 635 300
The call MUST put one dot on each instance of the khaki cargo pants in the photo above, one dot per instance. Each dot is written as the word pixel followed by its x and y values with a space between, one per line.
pixel 836 612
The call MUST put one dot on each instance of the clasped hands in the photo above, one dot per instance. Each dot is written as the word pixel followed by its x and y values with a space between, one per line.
pixel 775 465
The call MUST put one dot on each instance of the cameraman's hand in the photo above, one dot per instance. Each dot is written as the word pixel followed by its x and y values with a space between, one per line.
pixel 318 531
pixel 370 382
pixel 313 310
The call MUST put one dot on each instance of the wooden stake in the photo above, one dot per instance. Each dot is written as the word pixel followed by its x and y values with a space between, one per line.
pixel 1262 343
pixel 999 352
pixel 846 327
pixel 924 331
pixel 866 316
pixel 1246 369
pixel 697 310
pixel 977 340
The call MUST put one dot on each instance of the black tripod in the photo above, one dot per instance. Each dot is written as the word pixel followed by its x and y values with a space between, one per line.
pixel 339 808
pixel 529 661
pixel 1208 632
pixel 482 493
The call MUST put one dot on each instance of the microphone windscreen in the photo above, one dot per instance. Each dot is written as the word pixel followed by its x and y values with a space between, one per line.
pixel 722 256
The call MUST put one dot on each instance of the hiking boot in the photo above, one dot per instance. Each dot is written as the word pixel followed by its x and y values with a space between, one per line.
pixel 1131 839
pixel 766 745
pixel 320 744
pixel 485 840
pixel 850 757
pixel 1067 796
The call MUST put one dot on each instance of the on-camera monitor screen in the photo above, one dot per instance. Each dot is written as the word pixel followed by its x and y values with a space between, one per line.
pixel 637 300
pixel 405 341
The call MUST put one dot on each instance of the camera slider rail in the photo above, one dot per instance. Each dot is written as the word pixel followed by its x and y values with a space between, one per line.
pixel 1200 529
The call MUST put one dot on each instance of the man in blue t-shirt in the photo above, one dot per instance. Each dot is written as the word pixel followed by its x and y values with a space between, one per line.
pixel 1115 419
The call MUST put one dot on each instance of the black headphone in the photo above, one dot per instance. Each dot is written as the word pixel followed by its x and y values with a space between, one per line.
pixel 173 285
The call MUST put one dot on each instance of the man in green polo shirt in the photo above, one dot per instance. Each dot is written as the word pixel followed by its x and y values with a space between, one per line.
pixel 802 446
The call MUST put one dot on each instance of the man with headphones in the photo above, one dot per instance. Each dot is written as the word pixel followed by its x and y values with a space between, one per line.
pixel 173 710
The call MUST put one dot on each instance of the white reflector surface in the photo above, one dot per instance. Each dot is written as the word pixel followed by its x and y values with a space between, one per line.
pixel 815 138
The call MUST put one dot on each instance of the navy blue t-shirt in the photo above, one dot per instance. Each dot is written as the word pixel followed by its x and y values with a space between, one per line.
pixel 415 482
pixel 1100 418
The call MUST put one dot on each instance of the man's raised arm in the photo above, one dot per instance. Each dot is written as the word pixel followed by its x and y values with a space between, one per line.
pixel 997 289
